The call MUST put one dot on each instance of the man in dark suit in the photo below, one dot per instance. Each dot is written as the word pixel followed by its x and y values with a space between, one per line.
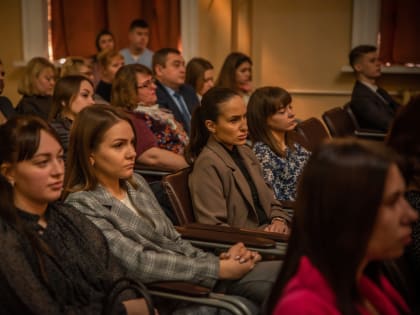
pixel 172 92
pixel 373 107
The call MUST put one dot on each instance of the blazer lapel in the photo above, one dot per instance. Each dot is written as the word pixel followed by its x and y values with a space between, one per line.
pixel 239 178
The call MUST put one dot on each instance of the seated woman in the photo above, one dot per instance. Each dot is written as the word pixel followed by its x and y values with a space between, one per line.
pixel 233 192
pixel 109 61
pixel 71 94
pixel 404 138
pixel 102 185
pixel 54 260
pixel 104 40
pixel 134 91
pixel 351 214
pixel 37 87
pixel 271 122
pixel 199 74
pixel 236 74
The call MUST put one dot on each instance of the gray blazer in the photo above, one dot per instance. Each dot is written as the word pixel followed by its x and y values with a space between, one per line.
pixel 147 244
pixel 220 192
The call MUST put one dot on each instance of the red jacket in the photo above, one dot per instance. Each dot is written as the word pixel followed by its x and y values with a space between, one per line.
pixel 308 293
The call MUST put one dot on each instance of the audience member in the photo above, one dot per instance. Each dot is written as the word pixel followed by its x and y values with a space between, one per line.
pixel 157 144
pixel 71 94
pixel 236 74
pixel 109 62
pixel 271 122
pixel 373 107
pixel 77 65
pixel 351 214
pixel 37 86
pixel 6 108
pixel 54 260
pixel 102 185
pixel 404 138
pixel 81 66
pixel 104 41
pixel 199 74
pixel 138 39
pixel 172 92
pixel 233 192
pixel 142 103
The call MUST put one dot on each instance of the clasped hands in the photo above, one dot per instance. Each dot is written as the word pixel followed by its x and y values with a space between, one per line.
pixel 237 261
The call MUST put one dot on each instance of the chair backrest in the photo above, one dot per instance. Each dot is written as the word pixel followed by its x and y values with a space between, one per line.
pixel 313 131
pixel 176 188
pixel 339 122
pixel 349 111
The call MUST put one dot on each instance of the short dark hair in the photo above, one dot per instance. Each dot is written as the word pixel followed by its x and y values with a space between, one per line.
pixel 160 56
pixel 138 23
pixel 358 52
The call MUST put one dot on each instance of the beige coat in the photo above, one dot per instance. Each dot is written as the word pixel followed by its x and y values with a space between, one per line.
pixel 220 192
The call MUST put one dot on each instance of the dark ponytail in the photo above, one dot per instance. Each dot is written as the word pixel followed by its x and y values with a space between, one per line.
pixel 209 110
pixel 198 138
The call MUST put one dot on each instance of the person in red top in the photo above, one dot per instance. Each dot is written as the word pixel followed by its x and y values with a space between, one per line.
pixel 351 214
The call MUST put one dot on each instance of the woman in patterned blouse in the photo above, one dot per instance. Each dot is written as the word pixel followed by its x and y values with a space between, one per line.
pixel 134 90
pixel 271 121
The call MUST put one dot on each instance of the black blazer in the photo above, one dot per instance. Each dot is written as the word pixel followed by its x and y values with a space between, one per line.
pixel 6 107
pixel 370 110
pixel 165 101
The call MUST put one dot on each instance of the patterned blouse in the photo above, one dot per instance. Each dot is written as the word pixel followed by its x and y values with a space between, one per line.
pixel 282 172
pixel 170 134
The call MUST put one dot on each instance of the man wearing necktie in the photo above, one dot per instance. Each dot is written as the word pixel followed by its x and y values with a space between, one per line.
pixel 172 92
pixel 373 107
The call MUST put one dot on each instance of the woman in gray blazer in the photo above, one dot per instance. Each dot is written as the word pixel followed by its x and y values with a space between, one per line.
pixel 101 184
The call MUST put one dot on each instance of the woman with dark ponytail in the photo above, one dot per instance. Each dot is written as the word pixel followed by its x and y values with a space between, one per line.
pixel 233 191
pixel 54 261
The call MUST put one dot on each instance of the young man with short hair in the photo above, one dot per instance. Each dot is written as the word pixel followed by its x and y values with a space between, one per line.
pixel 137 51
pixel 373 107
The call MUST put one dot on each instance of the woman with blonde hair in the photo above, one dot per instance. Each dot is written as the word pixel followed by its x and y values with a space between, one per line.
pixel 109 61
pixel 37 87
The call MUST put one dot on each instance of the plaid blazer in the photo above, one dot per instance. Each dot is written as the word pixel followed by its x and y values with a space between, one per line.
pixel 147 243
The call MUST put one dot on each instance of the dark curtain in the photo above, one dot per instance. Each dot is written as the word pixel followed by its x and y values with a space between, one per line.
pixel 74 24
pixel 400 31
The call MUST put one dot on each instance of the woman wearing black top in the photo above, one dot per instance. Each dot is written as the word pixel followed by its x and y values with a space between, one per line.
pixel 54 261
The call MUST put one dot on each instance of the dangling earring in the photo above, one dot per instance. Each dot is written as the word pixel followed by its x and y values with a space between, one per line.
pixel 92 161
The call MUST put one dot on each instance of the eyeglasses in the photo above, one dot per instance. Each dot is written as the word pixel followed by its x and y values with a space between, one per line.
pixel 147 84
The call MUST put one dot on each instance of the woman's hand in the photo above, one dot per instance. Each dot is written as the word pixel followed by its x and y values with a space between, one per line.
pixel 237 262
pixel 278 226
pixel 241 253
